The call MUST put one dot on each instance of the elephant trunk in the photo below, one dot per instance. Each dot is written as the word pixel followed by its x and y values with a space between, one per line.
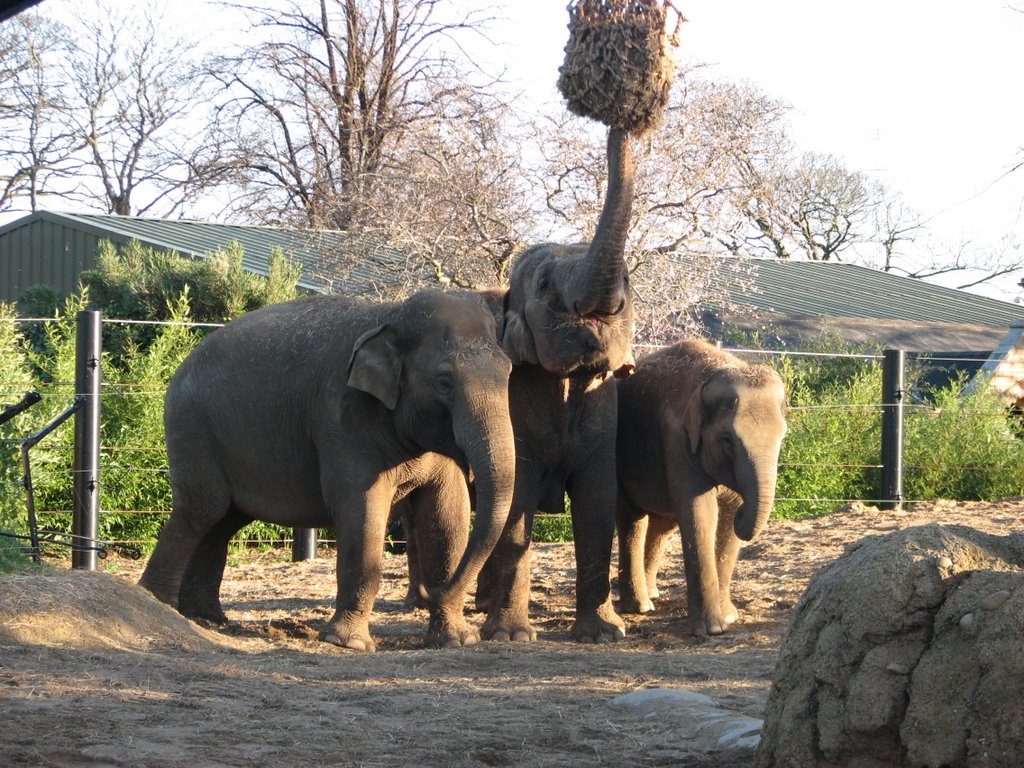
pixel 756 478
pixel 599 280
pixel 484 434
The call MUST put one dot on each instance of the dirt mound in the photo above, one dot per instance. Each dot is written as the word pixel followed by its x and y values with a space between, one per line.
pixel 905 650
pixel 90 611
pixel 151 689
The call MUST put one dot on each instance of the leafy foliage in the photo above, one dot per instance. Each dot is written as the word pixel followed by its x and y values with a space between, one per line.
pixel 959 443
pixel 831 451
pixel 138 362
pixel 962 446
pixel 134 282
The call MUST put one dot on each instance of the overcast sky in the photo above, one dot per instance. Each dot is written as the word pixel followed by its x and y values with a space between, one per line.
pixel 924 94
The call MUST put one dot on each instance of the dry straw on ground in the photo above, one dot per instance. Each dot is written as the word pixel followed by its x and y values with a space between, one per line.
pixel 619 63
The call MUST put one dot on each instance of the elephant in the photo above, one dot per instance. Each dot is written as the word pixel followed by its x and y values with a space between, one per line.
pixel 566 323
pixel 325 412
pixel 698 446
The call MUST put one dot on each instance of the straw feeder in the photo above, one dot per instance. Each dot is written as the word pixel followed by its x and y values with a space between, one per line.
pixel 619 62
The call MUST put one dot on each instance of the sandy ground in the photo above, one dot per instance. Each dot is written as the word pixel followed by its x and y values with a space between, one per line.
pixel 93 672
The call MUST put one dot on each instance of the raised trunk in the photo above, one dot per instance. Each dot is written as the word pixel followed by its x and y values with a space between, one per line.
pixel 599 279
pixel 484 434
pixel 756 479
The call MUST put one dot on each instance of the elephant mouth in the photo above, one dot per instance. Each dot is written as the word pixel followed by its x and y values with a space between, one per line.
pixel 599 317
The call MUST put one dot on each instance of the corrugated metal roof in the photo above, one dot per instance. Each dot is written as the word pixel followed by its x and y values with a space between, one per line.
pixel 837 289
pixel 789 288
pixel 357 263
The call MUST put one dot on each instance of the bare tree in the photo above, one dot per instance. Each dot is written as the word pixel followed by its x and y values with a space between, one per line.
pixel 830 207
pixel 352 115
pixel 38 144
pixel 134 99
pixel 693 184
pixel 454 198
pixel 895 224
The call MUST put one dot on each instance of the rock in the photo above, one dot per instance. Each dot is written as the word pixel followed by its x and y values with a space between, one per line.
pixel 995 600
pixel 890 660
pixel 698 722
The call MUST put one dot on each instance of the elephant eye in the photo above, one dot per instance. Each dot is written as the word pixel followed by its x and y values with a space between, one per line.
pixel 445 383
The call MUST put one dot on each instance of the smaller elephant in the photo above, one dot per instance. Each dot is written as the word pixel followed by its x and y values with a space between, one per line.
pixel 327 411
pixel 698 445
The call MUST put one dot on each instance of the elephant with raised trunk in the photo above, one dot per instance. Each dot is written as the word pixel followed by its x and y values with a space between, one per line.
pixel 698 446
pixel 566 321
pixel 324 412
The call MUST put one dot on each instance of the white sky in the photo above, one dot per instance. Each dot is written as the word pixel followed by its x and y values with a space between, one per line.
pixel 924 94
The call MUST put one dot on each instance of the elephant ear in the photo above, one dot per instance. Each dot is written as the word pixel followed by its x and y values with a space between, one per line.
pixel 375 366
pixel 517 338
pixel 694 418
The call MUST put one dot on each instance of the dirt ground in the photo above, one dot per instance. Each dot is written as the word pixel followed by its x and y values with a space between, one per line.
pixel 94 672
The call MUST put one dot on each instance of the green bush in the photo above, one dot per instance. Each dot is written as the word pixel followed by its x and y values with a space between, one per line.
pixel 138 362
pixel 961 444
pixel 958 445
pixel 832 448
pixel 133 282
pixel 552 527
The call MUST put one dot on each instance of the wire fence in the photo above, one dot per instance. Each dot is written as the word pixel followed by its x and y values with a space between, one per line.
pixel 134 465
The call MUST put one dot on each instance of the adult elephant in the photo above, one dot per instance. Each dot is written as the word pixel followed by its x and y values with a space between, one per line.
pixel 326 411
pixel 566 322
pixel 698 446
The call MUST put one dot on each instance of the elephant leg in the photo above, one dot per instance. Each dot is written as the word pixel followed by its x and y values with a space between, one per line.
pixel 508 589
pixel 487 584
pixel 199 505
pixel 360 526
pixel 698 524
pixel 441 521
pixel 632 528
pixel 727 549
pixel 592 493
pixel 401 514
pixel 659 529
pixel 199 595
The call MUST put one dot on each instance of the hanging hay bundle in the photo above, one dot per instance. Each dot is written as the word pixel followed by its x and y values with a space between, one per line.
pixel 619 65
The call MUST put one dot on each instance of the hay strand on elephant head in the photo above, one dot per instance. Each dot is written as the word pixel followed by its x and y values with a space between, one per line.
pixel 619 66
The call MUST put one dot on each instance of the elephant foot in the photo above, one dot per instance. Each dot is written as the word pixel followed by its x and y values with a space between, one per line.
pixel 212 614
pixel 346 633
pixel 709 624
pixel 205 607
pixel 730 614
pixel 482 603
pixel 413 598
pixel 630 603
pixel 159 589
pixel 603 625
pixel 507 628
pixel 445 633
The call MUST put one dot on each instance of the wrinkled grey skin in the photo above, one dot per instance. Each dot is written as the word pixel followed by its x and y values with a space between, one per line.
pixel 566 322
pixel 324 412
pixel 698 447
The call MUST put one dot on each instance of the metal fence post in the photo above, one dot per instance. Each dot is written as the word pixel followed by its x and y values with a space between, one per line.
pixel 85 522
pixel 303 544
pixel 892 428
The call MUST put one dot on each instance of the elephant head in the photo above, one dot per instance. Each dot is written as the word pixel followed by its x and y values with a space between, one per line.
pixel 441 372
pixel 569 307
pixel 735 423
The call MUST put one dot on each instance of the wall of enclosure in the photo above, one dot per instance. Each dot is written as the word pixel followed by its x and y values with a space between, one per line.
pixel 861 429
